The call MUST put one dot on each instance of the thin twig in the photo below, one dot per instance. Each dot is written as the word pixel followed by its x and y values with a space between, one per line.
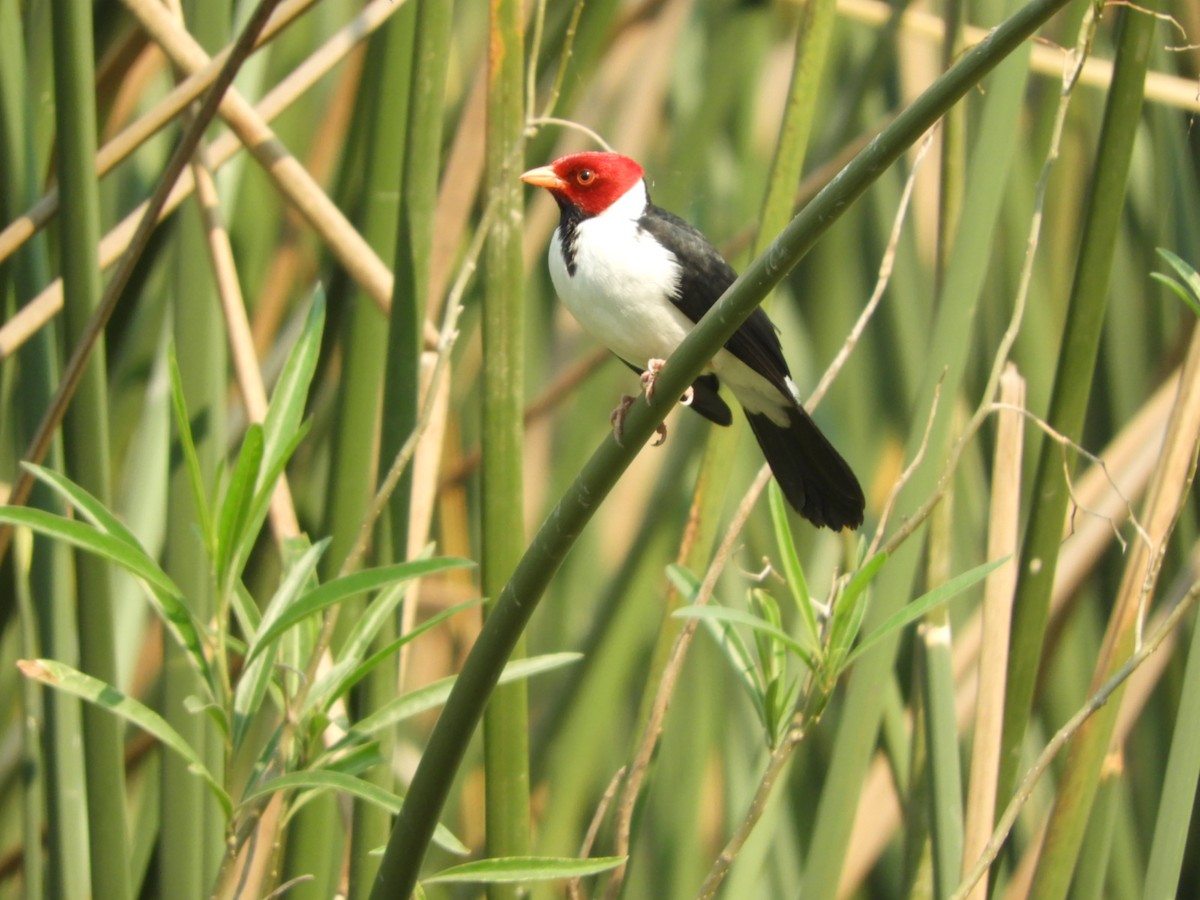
pixel 666 686
pixel 886 265
pixel 776 766
pixel 589 839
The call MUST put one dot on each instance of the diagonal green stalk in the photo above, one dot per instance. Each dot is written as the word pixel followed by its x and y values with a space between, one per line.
pixel 506 732
pixel 1072 386
pixel 431 784
pixel 85 434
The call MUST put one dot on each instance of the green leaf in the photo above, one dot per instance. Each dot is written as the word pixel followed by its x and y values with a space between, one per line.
pixel 235 506
pixel 1189 289
pixel 164 595
pixel 513 869
pixel 351 669
pixel 325 780
pixel 434 695
pixel 848 611
pixel 286 409
pixel 789 560
pixel 86 504
pixel 191 459
pixel 741 617
pixel 348 586
pixel 252 686
pixel 56 675
pixel 926 602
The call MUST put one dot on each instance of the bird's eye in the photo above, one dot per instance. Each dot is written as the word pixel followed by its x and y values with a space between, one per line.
pixel 585 177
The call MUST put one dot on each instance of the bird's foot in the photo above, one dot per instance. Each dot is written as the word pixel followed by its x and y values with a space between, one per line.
pixel 653 367
pixel 617 419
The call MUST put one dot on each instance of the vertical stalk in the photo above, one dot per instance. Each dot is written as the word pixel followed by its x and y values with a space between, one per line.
pixel 1072 387
pixel 1168 490
pixel 944 780
pixel 191 823
pixel 52 616
pixel 85 434
pixel 1177 800
pixel 377 133
pixel 505 724
pixel 988 171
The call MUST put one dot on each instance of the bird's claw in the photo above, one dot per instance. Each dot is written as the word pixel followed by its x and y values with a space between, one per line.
pixel 617 419
pixel 653 367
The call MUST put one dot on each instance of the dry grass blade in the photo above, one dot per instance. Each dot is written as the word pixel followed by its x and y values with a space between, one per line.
pixel 997 605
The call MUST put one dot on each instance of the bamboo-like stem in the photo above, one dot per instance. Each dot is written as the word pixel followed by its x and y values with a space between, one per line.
pixel 505 726
pixel 44 572
pixel 1072 387
pixel 285 171
pixel 86 438
pixel 1168 493
pixel 943 778
pixel 1179 783
pixel 1046 59
pixel 504 626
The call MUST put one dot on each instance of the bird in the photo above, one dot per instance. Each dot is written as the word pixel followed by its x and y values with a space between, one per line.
pixel 639 278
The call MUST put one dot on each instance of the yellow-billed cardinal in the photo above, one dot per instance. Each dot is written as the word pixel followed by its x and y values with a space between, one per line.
pixel 638 279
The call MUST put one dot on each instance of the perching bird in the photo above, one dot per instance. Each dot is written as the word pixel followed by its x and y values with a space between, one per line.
pixel 638 278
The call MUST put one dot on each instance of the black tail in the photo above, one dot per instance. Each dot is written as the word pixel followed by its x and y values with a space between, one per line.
pixel 812 475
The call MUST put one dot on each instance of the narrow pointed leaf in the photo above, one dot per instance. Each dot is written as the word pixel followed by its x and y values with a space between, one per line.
pixel 741 617
pixel 286 409
pixel 252 686
pixel 926 602
pixel 352 668
pixel 513 869
pixel 789 560
pixel 434 695
pixel 235 507
pixel 325 780
pixel 63 677
pixel 191 458
pixel 348 586
pixel 164 595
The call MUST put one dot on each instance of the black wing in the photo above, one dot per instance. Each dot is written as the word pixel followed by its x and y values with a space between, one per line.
pixel 705 277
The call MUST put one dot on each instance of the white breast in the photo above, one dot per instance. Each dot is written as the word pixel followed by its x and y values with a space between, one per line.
pixel 623 280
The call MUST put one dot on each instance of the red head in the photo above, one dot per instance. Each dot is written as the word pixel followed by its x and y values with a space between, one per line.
pixel 591 181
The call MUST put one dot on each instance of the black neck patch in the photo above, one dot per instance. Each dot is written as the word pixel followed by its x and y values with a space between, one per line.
pixel 568 232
